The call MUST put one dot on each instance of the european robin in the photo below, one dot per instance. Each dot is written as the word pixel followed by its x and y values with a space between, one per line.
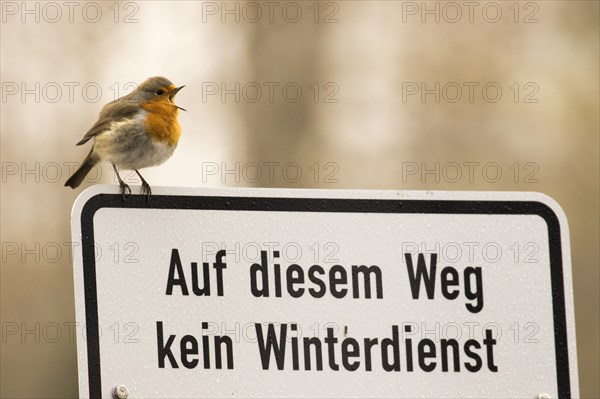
pixel 134 132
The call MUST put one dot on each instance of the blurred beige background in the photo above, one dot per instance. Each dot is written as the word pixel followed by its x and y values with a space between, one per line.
pixel 358 122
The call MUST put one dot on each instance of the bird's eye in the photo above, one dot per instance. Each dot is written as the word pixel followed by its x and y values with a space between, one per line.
pixel 160 92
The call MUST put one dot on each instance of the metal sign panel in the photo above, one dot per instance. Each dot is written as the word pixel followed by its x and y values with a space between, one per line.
pixel 323 293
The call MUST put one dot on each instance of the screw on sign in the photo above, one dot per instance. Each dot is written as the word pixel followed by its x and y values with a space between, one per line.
pixel 121 392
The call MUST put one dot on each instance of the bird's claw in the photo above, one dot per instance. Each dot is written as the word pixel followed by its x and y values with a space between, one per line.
pixel 124 188
pixel 146 190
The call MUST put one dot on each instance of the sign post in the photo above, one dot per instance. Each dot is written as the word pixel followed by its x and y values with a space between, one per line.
pixel 320 293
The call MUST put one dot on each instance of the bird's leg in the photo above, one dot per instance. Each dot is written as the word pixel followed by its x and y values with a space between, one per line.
pixel 121 183
pixel 145 186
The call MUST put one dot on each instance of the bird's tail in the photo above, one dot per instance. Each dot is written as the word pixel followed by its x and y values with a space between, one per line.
pixel 88 163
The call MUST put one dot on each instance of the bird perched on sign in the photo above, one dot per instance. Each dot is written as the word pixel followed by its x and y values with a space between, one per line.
pixel 134 132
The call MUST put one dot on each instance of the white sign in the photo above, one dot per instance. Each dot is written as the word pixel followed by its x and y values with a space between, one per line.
pixel 320 293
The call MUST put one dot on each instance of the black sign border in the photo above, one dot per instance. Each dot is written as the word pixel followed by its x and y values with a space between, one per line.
pixel 341 205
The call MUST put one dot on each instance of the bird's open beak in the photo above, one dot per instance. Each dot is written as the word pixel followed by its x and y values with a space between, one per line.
pixel 173 95
pixel 176 90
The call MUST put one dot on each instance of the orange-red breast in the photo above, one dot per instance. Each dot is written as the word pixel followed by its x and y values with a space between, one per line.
pixel 133 132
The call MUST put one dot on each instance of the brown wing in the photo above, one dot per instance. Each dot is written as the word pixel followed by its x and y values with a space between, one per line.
pixel 112 112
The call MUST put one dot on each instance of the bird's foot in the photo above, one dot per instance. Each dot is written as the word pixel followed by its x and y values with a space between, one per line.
pixel 146 190
pixel 124 188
